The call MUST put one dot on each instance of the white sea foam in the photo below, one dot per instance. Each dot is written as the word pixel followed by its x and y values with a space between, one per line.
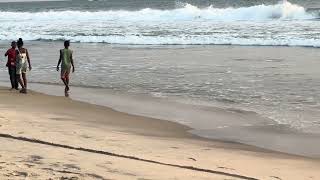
pixel 280 24
pixel 284 11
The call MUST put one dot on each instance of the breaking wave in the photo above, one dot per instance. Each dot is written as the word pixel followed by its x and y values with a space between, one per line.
pixel 279 24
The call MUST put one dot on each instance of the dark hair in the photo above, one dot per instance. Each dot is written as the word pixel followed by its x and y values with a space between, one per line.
pixel 20 42
pixel 67 43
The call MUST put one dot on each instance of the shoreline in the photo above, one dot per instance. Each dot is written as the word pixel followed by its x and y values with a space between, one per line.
pixel 68 122
pixel 246 112
pixel 180 130
pixel 217 135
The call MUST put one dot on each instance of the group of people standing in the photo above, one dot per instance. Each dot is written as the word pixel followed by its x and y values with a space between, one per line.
pixel 19 62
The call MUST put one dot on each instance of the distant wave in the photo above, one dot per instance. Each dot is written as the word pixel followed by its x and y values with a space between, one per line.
pixel 283 11
pixel 180 40
pixel 5 1
pixel 282 24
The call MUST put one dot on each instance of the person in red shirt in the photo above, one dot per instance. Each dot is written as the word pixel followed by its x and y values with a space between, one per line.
pixel 11 64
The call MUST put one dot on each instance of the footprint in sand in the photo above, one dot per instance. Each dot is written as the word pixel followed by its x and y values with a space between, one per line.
pixel 29 165
pixel 34 175
pixel 104 165
pixel 18 173
pixel 174 147
pixel 56 164
pixel 275 177
pixel 85 136
pixel 68 178
pixel 3 118
pixel 95 176
pixel 71 166
pixel 34 159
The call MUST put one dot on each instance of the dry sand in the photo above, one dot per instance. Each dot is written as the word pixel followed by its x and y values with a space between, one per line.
pixel 116 145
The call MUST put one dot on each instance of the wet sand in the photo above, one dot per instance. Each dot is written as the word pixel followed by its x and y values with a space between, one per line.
pixel 95 142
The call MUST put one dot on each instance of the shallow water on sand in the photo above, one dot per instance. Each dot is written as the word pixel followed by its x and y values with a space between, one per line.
pixel 252 95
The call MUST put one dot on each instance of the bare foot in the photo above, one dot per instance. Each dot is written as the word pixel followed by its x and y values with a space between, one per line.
pixel 24 91
pixel 66 94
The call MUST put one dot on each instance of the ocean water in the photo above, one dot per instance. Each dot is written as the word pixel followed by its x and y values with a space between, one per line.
pixel 165 22
pixel 238 70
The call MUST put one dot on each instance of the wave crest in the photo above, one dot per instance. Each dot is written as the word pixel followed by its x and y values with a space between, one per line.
pixel 284 11
pixel 280 24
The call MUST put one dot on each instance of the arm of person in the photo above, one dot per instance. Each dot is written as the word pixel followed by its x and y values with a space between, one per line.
pixel 28 58
pixel 7 53
pixel 72 63
pixel 59 61
pixel 17 53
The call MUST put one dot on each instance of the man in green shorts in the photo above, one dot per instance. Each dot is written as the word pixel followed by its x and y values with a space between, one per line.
pixel 66 61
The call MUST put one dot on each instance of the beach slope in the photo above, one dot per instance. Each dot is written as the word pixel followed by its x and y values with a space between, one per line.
pixel 45 137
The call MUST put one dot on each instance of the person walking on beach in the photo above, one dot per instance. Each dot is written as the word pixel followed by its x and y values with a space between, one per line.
pixel 22 61
pixel 11 64
pixel 66 61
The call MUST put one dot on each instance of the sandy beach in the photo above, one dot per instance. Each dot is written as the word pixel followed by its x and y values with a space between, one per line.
pixel 48 137
pixel 160 89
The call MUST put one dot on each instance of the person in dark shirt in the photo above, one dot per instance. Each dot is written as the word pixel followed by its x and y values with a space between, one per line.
pixel 11 64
